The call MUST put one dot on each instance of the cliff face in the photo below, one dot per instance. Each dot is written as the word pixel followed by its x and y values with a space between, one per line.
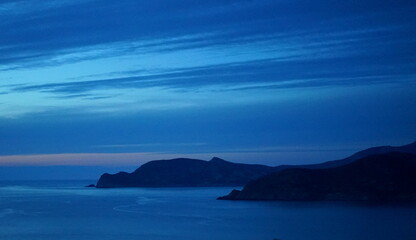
pixel 183 172
pixel 381 177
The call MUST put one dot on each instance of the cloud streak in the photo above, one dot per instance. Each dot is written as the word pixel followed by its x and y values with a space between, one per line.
pixel 232 74
pixel 271 73
pixel 37 34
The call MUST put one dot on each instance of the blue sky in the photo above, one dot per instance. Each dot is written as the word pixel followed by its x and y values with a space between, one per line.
pixel 88 82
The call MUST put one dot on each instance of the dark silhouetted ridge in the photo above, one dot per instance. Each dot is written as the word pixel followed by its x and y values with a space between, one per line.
pixel 409 148
pixel 185 172
pixel 379 177
pixel 218 160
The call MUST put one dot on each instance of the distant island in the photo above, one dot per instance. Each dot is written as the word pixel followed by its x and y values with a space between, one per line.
pixel 184 172
pixel 379 173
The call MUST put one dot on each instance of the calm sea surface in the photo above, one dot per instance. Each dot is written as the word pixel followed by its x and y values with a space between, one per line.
pixel 66 210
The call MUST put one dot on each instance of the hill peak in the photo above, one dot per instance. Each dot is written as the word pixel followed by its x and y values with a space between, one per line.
pixel 411 145
pixel 217 160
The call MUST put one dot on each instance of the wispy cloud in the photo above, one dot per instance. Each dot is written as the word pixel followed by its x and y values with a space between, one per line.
pixel 149 145
pixel 74 32
pixel 270 73
pixel 95 61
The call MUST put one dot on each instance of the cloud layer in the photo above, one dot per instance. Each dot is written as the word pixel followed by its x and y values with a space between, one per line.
pixel 256 71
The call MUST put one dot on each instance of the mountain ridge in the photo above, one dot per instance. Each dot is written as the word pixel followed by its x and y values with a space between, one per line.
pixel 408 148
pixel 379 177
pixel 186 172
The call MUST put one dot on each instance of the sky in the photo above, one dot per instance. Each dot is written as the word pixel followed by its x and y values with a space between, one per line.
pixel 118 83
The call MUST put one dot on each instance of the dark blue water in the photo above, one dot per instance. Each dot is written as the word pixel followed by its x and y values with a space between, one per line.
pixel 66 210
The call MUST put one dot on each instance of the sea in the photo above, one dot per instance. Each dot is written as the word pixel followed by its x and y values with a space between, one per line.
pixel 66 210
